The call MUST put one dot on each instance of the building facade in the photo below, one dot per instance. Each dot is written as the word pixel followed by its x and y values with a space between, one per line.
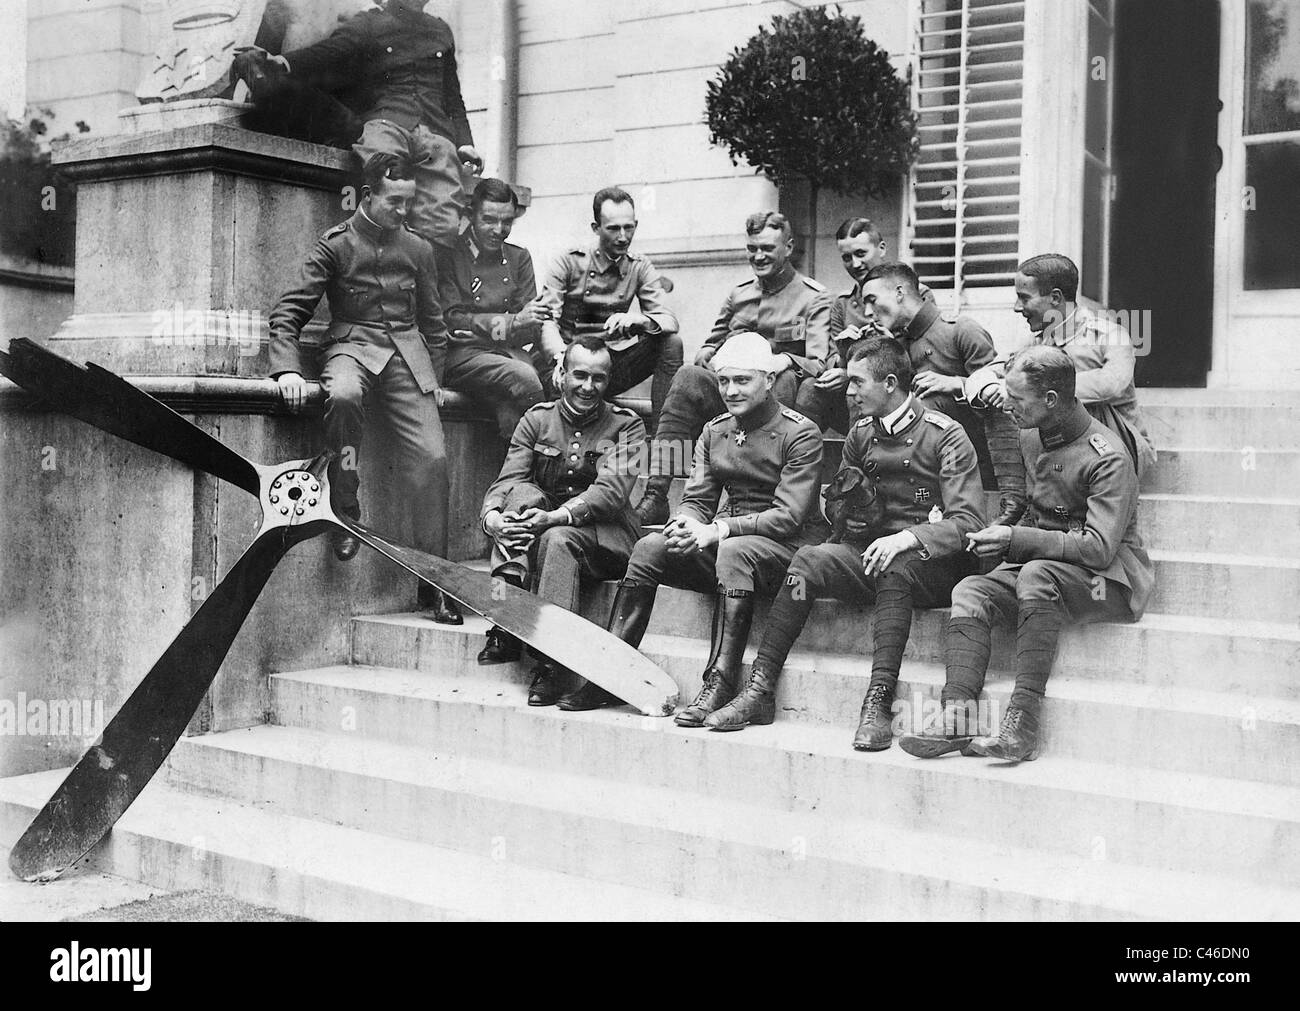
pixel 1155 142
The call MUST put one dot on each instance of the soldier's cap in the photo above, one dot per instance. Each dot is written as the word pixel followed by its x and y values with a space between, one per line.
pixel 747 351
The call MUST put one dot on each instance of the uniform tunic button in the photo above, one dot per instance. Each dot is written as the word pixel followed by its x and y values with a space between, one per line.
pixel 909 442
pixel 577 435
pixel 574 457
pixel 389 49
pixel 907 463
pixel 438 55
pixel 874 439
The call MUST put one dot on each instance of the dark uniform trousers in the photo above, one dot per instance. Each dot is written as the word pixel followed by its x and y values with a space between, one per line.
pixel 830 409
pixel 508 383
pixel 394 399
pixel 563 557
pixel 1076 557
pixel 745 563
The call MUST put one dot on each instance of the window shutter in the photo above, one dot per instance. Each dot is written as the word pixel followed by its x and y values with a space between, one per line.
pixel 964 200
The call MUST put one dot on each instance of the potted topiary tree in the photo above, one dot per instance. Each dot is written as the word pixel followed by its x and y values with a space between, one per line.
pixel 813 98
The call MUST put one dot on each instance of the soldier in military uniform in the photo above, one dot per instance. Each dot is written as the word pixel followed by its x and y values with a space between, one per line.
pixel 791 311
pixel 1102 352
pixel 926 482
pixel 590 290
pixel 488 296
pixel 944 353
pixel 558 512
pixel 395 67
pixel 767 459
pixel 1075 557
pixel 384 353
pixel 822 398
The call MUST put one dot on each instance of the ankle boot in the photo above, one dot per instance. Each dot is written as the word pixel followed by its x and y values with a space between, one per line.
pixel 755 704
pixel 628 619
pixel 1017 739
pixel 653 508
pixel 732 618
pixel 948 729
pixel 875 723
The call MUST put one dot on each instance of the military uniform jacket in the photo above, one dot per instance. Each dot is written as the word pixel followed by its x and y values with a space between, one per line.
pixel 382 288
pixel 849 310
pixel 927 463
pixel 587 468
pixel 402 68
pixel 481 292
pixel 1104 359
pixel 793 312
pixel 769 465
pixel 1083 504
pixel 948 347
pixel 585 288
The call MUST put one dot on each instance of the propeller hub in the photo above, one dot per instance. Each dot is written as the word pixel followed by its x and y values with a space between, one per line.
pixel 293 497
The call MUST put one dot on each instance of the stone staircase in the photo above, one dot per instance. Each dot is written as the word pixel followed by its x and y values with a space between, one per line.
pixel 413 784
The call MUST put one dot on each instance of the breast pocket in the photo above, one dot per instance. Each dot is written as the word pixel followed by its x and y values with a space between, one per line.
pixel 791 333
pixel 407 289
pixel 548 463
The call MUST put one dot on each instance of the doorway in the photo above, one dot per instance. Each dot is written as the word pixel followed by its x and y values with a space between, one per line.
pixel 1165 159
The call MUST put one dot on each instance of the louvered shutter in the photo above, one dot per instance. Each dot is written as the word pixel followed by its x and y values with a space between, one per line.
pixel 968 84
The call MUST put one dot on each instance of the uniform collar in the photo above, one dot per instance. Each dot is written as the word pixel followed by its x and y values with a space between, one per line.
pixel 580 420
pixel 1071 427
pixel 902 418
pixel 921 322
pixel 602 263
pixel 1067 330
pixel 778 282
pixel 364 224
pixel 476 253
pixel 759 416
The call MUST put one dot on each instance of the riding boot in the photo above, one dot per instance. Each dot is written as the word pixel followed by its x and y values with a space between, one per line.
pixel 733 614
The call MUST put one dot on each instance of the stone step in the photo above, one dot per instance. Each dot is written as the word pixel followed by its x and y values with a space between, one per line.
pixel 1155 819
pixel 258 852
pixel 1261 474
pixel 1090 718
pixel 1226 586
pixel 1257 659
pixel 1208 424
pixel 799 864
pixel 1267 528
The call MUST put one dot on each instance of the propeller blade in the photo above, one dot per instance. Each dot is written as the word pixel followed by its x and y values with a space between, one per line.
pixel 143 732
pixel 107 401
pixel 567 638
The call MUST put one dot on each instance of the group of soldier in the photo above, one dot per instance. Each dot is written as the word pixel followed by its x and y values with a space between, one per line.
pixel 422 302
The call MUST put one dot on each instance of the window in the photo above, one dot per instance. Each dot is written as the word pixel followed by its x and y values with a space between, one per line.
pixel 1272 139
pixel 968 82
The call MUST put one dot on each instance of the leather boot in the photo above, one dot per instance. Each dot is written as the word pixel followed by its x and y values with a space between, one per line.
pixel 875 722
pixel 944 731
pixel 502 647
pixel 440 607
pixel 732 618
pixel 1017 739
pixel 653 508
pixel 756 703
pixel 628 619
pixel 1011 506
pixel 547 686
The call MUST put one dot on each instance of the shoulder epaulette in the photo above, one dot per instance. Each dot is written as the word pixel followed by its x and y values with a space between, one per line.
pixel 935 418
pixel 793 415
pixel 544 405
pixel 338 229
pixel 748 280
pixel 814 285
pixel 620 409
pixel 1099 443
pixel 579 251
pixel 721 417
pixel 863 422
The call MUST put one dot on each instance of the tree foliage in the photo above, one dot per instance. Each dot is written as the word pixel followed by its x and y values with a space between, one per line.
pixel 38 210
pixel 813 98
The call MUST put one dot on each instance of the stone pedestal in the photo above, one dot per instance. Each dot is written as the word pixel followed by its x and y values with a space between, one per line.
pixel 185 239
